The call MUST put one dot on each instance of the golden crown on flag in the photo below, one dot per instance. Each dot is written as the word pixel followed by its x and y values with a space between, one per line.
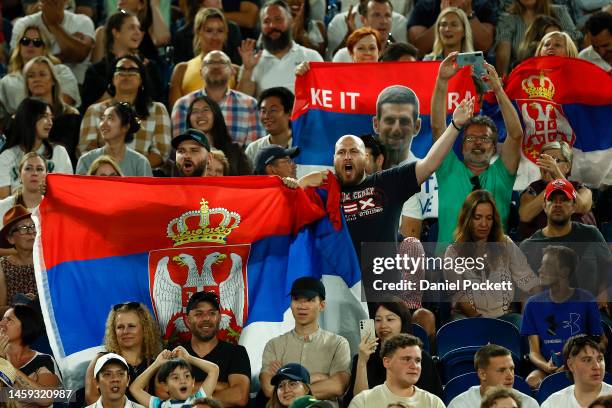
pixel 185 230
pixel 539 86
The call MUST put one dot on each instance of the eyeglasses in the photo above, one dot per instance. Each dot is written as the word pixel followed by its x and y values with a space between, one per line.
pixel 25 229
pixel 475 183
pixel 127 71
pixel 289 385
pixel 127 306
pixel 36 42
pixel 481 139
pixel 272 111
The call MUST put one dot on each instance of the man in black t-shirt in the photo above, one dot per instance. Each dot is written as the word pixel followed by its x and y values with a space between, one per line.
pixel 595 265
pixel 372 203
pixel 203 319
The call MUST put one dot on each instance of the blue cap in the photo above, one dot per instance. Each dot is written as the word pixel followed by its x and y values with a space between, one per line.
pixel 291 371
pixel 270 153
pixel 191 134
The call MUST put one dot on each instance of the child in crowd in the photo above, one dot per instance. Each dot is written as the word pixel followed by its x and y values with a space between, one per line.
pixel 174 373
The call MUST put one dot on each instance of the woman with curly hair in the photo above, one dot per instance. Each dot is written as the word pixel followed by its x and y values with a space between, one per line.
pixel 132 333
pixel 480 237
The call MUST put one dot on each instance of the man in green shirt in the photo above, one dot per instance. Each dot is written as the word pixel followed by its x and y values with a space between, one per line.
pixel 456 178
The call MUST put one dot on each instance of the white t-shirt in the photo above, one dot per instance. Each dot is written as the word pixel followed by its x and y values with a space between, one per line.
pixel 128 404
pixel 381 396
pixel 566 398
pixel 337 29
pixel 254 147
pixel 72 23
pixel 10 158
pixel 271 71
pixel 472 398
pixel 589 54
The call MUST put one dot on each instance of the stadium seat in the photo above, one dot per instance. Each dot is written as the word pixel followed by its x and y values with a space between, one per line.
pixel 552 384
pixel 420 332
pixel 458 341
pixel 462 382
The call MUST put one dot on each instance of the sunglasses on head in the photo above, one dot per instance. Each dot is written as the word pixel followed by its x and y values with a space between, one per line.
pixel 127 305
pixel 36 42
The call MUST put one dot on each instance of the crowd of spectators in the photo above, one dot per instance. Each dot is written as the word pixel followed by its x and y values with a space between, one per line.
pixel 198 88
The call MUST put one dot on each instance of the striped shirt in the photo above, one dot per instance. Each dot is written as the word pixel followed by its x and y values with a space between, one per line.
pixel 238 109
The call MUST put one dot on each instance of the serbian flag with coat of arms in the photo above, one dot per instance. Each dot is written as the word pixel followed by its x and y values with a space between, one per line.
pixel 105 241
pixel 564 99
pixel 336 99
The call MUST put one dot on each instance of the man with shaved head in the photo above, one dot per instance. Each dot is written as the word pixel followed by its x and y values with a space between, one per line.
pixel 372 203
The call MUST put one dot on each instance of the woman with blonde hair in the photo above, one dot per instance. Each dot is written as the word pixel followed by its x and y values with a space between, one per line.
pixel 557 43
pixel 512 26
pixel 210 33
pixel 132 333
pixel 540 26
pixel 33 43
pixel 453 33
pixel 105 166
pixel 32 173
pixel 41 81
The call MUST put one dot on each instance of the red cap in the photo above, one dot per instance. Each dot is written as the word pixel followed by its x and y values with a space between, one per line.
pixel 561 185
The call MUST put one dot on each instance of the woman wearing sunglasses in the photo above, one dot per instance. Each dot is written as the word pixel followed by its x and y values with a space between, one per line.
pixel 132 333
pixel 17 270
pixel 33 44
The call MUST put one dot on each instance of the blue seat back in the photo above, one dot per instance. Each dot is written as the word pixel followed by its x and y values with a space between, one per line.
pixel 478 331
pixel 420 332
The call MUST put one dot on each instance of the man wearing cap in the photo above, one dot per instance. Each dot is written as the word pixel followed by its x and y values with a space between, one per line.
pixel 274 160
pixel 401 356
pixel 325 355
pixel 192 148
pixel 203 319
pixel 112 378
pixel 585 240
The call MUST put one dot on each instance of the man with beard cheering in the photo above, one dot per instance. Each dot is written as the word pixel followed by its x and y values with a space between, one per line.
pixel 275 64
pixel 203 319
pixel 192 149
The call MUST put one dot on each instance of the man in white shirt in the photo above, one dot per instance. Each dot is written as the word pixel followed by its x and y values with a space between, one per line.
pixel 401 356
pixel 71 35
pixel 275 64
pixel 585 364
pixel 494 367
pixel 376 14
pixel 111 377
pixel 343 24
pixel 599 29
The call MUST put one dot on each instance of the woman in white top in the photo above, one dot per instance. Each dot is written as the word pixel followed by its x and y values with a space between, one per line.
pixel 29 132
pixel 32 44
pixel 32 173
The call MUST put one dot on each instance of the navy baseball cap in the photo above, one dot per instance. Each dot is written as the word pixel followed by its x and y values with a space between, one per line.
pixel 196 298
pixel 308 287
pixel 291 371
pixel 270 153
pixel 191 134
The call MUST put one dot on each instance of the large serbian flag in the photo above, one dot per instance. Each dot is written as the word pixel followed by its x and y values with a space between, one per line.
pixel 102 242
pixel 565 99
pixel 335 99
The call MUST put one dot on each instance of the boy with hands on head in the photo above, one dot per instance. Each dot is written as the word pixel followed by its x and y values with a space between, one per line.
pixel 174 373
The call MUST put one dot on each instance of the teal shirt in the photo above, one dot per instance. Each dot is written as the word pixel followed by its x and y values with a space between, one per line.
pixel 454 186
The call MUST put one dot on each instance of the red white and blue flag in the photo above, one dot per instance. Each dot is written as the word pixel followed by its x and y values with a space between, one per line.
pixel 106 241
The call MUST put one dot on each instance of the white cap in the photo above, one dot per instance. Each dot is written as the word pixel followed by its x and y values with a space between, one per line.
pixel 108 357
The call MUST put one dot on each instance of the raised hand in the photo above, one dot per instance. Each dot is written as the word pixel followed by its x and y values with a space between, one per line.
pixel 302 68
pixel 367 346
pixel 448 67
pixel 463 112
pixel 491 78
pixel 350 19
pixel 250 58
pixel 549 165
pixel 180 352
